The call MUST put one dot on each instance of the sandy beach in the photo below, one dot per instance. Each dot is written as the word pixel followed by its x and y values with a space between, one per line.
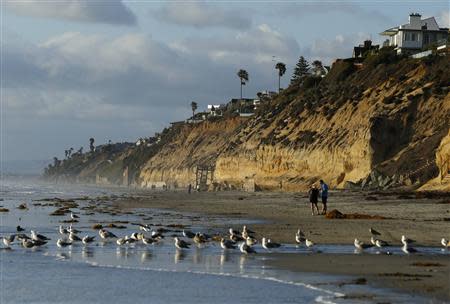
pixel 425 218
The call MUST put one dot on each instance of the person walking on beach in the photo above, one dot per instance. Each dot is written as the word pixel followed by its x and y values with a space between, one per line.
pixel 314 198
pixel 324 195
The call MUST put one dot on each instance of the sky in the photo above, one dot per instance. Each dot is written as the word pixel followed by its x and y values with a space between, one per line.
pixel 120 70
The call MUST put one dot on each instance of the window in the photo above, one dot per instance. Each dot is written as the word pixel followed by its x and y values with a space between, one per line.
pixel 413 36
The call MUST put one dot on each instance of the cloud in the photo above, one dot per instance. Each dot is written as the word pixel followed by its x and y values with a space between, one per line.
pixel 202 15
pixel 110 12
pixel 444 19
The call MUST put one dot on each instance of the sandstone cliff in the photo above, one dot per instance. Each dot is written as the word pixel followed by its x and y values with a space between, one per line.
pixel 382 124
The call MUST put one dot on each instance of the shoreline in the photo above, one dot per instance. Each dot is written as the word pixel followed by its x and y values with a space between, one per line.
pixel 281 214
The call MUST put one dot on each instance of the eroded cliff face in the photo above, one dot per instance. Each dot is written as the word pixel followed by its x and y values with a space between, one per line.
pixel 388 118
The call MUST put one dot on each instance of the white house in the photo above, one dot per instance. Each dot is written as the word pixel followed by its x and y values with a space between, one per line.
pixel 415 35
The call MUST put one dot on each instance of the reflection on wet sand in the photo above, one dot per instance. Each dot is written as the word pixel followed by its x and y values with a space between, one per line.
pixel 179 256
pixel 146 256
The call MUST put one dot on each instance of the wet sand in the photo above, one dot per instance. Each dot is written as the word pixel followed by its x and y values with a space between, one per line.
pixel 426 220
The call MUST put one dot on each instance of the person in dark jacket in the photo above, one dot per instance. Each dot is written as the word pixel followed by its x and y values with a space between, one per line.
pixel 324 195
pixel 314 198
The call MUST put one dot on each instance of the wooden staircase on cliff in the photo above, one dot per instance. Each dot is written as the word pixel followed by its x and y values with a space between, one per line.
pixel 204 176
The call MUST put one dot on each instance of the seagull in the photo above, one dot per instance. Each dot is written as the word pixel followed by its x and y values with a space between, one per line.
pixel 121 241
pixel 236 238
pixel 180 244
pixel 62 243
pixel 227 244
pixel 8 240
pixel 74 238
pixel 244 248
pixel 136 236
pixel 73 216
pixel 39 242
pixel 22 236
pixel 405 240
pixel 373 231
pixel 188 234
pixel 381 243
pixel 247 230
pixel 144 227
pixel 250 241
pixel 360 245
pixel 148 241
pixel 233 232
pixel 27 243
pixel 73 230
pixel 406 249
pixel 63 230
pixel 38 237
pixel 104 234
pixel 157 235
pixel 19 229
pixel 445 243
pixel 130 240
pixel 309 243
pixel 267 244
pixel 199 238
pixel 88 239
pixel 299 237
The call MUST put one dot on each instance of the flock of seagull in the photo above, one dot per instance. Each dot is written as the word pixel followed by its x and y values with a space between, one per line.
pixel 244 240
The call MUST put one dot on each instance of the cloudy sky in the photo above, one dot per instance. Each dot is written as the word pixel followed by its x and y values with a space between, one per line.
pixel 119 70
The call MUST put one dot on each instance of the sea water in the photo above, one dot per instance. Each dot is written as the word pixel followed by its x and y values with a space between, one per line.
pixel 103 272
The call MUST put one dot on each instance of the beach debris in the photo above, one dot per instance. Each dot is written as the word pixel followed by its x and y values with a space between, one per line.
pixel 22 206
pixel 97 226
pixel 4 209
pixel 336 214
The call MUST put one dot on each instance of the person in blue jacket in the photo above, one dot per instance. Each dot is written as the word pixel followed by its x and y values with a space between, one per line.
pixel 324 195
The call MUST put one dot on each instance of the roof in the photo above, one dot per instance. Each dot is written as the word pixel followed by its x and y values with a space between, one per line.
pixel 430 23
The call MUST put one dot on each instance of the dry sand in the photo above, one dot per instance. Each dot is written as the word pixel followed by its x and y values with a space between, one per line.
pixel 425 219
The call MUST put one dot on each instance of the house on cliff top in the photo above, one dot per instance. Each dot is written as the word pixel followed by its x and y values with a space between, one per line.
pixel 416 35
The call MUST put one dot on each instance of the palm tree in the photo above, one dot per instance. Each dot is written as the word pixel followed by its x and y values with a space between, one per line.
pixel 281 67
pixel 194 107
pixel 91 144
pixel 243 76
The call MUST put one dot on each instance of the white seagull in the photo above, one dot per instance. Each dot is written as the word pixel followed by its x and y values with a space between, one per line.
pixel 38 237
pixel 63 230
pixel 445 243
pixel 309 243
pixel 299 237
pixel 8 240
pixel 188 234
pixel 73 216
pixel 105 234
pixel 74 238
pixel 406 241
pixel 62 243
pixel 250 241
pixel 360 245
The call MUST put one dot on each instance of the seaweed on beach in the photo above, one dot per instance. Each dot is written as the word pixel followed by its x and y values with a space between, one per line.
pixel 336 214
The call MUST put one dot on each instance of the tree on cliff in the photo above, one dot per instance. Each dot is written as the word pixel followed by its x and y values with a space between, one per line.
pixel 243 76
pixel 301 70
pixel 194 108
pixel 91 144
pixel 281 67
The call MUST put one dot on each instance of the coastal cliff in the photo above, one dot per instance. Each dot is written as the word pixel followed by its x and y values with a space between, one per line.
pixel 379 124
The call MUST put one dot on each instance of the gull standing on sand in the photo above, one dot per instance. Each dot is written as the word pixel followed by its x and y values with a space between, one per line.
pixel 267 244
pixel 406 249
pixel 148 241
pixel 300 237
pixel 309 243
pixel 63 230
pixel 144 227
pixel 373 231
pixel 227 244
pixel 180 244
pixel 407 241
pixel 74 216
pixel 72 230
pixel 360 245
pixel 377 242
pixel 244 248
pixel 445 243
pixel 27 243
